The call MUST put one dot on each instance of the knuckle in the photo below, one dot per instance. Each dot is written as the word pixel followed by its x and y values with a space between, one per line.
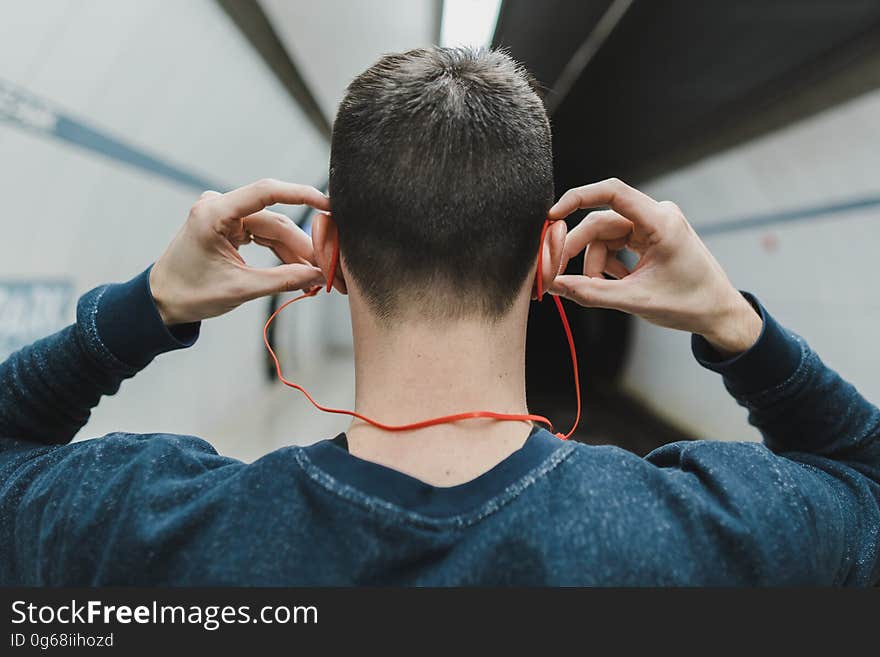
pixel 670 207
pixel 675 217
pixel 200 207
pixel 617 189
pixel 573 194
pixel 265 186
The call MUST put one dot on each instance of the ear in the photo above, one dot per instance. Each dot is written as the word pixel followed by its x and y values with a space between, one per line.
pixel 325 240
pixel 553 247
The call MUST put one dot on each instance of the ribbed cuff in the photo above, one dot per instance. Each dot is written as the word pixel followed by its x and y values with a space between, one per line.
pixel 770 361
pixel 130 326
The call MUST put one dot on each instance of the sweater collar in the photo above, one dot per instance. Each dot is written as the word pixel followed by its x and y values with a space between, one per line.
pixel 333 457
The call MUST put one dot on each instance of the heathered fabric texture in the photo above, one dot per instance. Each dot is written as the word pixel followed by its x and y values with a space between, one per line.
pixel 167 509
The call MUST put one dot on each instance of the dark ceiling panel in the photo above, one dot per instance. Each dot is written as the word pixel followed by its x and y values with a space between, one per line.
pixel 674 73
pixel 679 79
pixel 545 34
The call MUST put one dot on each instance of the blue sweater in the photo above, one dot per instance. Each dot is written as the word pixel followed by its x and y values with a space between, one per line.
pixel 167 509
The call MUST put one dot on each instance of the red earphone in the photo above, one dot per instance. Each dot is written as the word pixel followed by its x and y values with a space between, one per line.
pixel 334 263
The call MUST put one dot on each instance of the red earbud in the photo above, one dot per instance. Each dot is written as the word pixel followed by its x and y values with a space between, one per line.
pixel 539 275
pixel 334 263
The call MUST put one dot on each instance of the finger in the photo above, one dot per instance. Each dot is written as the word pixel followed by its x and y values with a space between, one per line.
pixel 261 282
pixel 640 208
pixel 556 236
pixel 289 241
pixel 616 268
pixel 599 225
pixel 252 198
pixel 595 292
pixel 280 252
pixel 594 260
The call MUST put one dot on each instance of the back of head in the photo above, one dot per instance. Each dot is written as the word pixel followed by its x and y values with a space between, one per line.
pixel 440 181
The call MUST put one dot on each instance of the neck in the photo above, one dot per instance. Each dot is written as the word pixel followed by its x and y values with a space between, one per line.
pixel 419 370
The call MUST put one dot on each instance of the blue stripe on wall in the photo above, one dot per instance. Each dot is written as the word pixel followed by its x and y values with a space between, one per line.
pixel 79 134
pixel 809 213
pixel 32 113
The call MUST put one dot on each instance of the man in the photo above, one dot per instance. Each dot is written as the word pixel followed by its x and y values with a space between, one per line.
pixel 440 183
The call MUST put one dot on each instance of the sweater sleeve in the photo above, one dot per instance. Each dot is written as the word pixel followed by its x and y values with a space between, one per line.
pixel 47 389
pixel 796 401
pixel 806 506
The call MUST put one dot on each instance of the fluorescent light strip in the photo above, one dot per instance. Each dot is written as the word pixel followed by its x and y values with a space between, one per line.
pixel 468 22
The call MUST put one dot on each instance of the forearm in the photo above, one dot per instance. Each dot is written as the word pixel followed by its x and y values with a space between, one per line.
pixel 49 387
pixel 797 402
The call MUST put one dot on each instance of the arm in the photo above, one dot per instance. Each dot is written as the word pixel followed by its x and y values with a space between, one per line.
pixel 800 405
pixel 49 388
pixel 823 495
pixel 815 500
pixel 61 504
pixel 796 402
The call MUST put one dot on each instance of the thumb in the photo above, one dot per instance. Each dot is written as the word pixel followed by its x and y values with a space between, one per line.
pixel 282 278
pixel 594 292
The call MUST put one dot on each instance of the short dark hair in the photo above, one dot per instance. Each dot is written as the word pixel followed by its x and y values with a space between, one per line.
pixel 440 181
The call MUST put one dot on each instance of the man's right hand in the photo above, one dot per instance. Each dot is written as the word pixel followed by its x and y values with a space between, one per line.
pixel 677 283
pixel 201 273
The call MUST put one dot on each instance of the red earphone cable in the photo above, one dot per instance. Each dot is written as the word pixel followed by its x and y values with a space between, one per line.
pixel 446 418
pixel 539 287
